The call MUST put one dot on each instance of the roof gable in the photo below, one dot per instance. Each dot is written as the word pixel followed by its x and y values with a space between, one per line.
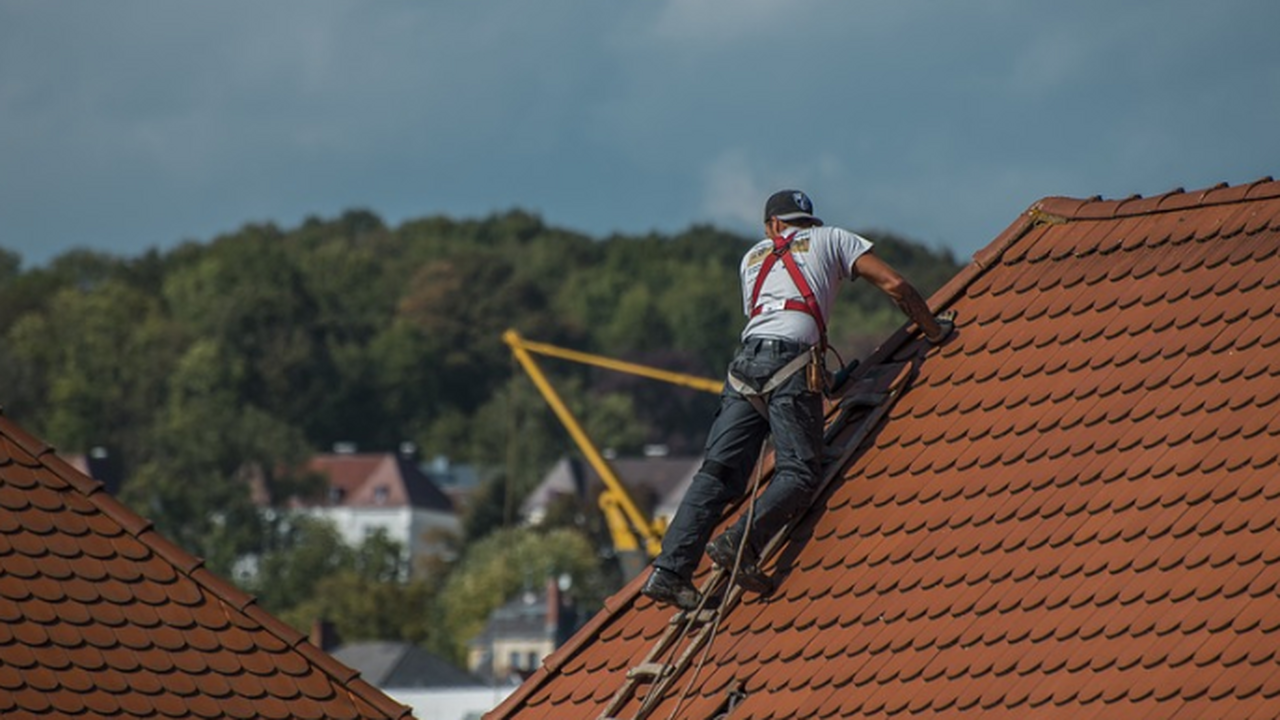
pixel 1072 510
pixel 656 484
pixel 101 616
pixel 398 665
pixel 378 480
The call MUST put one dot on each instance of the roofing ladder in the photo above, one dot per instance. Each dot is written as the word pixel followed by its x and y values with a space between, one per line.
pixel 859 412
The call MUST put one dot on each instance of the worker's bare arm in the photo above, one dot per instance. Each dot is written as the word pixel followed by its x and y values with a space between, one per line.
pixel 903 293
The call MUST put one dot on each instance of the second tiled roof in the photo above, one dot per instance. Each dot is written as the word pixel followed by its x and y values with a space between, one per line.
pixel 100 616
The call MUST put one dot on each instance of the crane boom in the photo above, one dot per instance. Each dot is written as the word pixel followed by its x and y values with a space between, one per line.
pixel 625 519
pixel 675 378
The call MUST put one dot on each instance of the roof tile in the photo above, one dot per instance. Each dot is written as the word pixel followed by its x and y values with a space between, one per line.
pixel 1069 513
pixel 103 616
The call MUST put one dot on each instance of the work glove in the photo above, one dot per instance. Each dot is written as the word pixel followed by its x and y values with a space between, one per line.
pixel 947 323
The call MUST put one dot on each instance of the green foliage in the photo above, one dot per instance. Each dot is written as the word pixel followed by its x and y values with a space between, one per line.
pixel 303 551
pixel 310 575
pixel 361 609
pixel 10 264
pixel 110 350
pixel 214 364
pixel 490 509
pixel 506 562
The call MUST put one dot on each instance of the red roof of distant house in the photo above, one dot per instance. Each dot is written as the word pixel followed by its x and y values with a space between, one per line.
pixel 100 616
pixel 376 479
pixel 1073 511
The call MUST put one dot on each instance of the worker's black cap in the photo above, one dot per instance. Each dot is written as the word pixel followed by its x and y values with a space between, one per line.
pixel 788 205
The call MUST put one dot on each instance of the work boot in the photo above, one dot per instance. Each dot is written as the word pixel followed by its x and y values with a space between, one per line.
pixel 668 588
pixel 724 552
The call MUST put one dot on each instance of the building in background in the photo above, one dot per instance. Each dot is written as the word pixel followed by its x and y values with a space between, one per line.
pixel 520 634
pixel 656 481
pixel 402 665
pixel 369 492
pixel 100 465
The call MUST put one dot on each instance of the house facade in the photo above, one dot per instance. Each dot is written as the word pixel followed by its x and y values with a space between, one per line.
pixel 522 633
pixel 366 493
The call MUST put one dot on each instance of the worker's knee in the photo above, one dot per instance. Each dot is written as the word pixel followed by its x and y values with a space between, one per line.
pixel 799 476
pixel 713 486
pixel 717 471
pixel 728 480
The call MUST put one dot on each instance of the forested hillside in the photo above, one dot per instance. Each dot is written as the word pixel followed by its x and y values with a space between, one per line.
pixel 268 344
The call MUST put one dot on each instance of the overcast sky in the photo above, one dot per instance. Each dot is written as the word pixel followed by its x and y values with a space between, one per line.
pixel 127 125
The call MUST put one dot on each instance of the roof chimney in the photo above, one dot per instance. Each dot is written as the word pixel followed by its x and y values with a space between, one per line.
pixel 324 635
pixel 562 617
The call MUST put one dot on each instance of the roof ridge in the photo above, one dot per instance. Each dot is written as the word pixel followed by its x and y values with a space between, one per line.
pixel 1097 207
pixel 193 567
pixel 399 660
pixel 1054 210
pixel 1027 526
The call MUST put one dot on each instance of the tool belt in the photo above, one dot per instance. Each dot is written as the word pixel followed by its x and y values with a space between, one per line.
pixel 817 379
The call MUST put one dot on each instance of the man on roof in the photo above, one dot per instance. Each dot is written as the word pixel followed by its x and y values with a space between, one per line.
pixel 776 384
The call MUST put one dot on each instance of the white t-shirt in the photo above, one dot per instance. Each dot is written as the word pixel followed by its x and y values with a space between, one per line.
pixel 825 256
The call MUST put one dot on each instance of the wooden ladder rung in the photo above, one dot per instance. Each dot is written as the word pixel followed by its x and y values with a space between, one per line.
pixel 648 671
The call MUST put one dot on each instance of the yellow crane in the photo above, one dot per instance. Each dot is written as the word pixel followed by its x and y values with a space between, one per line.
pixel 630 528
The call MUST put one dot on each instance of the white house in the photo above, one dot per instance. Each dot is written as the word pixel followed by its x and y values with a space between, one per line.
pixel 368 492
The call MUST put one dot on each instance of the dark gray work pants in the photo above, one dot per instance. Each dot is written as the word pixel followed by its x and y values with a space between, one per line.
pixel 733 446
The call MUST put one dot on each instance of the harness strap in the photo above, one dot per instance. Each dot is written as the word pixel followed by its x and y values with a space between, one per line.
pixel 809 304
pixel 759 399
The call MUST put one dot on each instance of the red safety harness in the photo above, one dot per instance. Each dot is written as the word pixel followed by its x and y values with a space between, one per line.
pixel 817 378
pixel 809 303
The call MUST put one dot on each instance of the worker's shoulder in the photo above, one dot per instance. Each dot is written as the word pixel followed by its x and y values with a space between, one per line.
pixel 837 237
pixel 755 254
pixel 821 238
pixel 830 233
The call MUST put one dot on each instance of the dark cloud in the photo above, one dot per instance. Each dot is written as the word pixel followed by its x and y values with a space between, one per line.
pixel 130 124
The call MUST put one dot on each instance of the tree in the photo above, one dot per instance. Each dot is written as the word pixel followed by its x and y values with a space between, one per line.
pixel 362 609
pixel 89 370
pixel 489 509
pixel 343 267
pixel 248 298
pixel 303 551
pixel 207 436
pixel 10 265
pixel 110 378
pixel 504 563
pixel 213 361
pixel 310 574
pixel 460 306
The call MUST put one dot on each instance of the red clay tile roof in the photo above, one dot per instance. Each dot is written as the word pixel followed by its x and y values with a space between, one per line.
pixel 376 480
pixel 101 617
pixel 1073 511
